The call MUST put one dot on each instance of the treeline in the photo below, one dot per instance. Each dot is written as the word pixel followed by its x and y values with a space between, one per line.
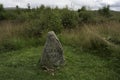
pixel 47 17
pixel 40 19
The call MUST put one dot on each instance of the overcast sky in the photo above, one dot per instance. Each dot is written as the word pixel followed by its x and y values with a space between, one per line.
pixel 74 4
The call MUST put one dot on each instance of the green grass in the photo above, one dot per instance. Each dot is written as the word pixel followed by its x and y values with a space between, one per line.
pixel 22 65
pixel 97 35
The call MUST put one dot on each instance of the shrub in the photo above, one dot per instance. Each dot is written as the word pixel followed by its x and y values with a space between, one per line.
pixel 51 21
pixel 2 16
pixel 105 11
pixel 83 8
pixel 33 29
pixel 17 10
pixel 1 7
pixel 69 19
pixel 55 22
pixel 85 17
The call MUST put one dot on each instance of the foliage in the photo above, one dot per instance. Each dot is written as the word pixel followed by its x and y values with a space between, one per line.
pixel 105 11
pixel 69 19
pixel 1 7
pixel 96 39
pixel 25 28
pixel 85 17
pixel 2 16
pixel 55 22
pixel 83 8
pixel 17 9
pixel 28 5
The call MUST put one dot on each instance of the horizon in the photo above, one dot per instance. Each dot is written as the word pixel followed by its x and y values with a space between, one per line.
pixel 75 5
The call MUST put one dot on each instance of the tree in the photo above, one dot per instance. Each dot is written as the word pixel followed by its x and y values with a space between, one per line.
pixel 1 7
pixel 105 11
pixel 54 22
pixel 28 5
pixel 85 17
pixel 69 19
pixel 2 12
pixel 83 8
pixel 17 9
pixel 42 7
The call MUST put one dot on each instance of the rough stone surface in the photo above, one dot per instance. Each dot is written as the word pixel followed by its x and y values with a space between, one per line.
pixel 52 55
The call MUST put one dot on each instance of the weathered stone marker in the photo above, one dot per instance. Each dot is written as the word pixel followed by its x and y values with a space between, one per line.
pixel 52 55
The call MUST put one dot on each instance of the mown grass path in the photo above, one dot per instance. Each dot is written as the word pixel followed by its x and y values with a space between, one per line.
pixel 21 65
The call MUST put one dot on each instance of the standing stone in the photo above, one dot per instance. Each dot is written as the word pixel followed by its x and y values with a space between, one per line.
pixel 52 55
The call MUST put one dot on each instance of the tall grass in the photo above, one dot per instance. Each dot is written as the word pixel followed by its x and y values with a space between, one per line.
pixel 10 29
pixel 8 32
pixel 13 36
pixel 99 39
pixel 92 37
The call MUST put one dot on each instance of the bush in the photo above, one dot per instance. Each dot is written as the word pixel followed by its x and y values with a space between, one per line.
pixel 51 21
pixel 83 8
pixel 85 17
pixel 33 30
pixel 105 11
pixel 69 19
pixel 54 22
pixel 2 16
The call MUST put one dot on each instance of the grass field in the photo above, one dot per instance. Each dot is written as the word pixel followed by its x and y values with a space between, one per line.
pixel 80 65
pixel 87 50
pixel 91 42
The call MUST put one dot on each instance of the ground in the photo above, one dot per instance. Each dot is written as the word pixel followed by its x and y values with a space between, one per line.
pixel 80 65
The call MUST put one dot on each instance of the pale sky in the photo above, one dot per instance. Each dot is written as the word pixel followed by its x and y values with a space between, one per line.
pixel 74 4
